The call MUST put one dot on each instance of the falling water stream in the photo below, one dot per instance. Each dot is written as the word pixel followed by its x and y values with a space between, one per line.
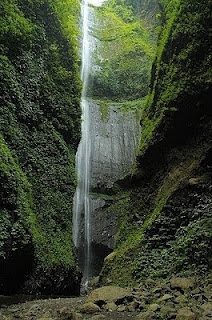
pixel 106 151
pixel 81 200
pixel 81 217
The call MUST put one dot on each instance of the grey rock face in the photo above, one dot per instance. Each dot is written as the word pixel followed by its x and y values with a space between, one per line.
pixel 113 144
pixel 103 225
pixel 114 141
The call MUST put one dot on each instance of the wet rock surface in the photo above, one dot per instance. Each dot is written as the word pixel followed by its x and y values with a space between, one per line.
pixel 114 138
pixel 114 141
pixel 151 300
pixel 109 294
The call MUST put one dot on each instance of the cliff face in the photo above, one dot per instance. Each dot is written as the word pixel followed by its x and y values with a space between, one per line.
pixel 121 44
pixel 125 44
pixel 115 138
pixel 167 230
pixel 157 219
pixel 110 138
pixel 40 131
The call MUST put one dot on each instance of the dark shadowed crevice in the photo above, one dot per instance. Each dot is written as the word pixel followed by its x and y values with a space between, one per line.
pixel 15 270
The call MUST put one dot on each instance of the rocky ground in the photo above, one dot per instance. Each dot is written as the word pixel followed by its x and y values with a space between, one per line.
pixel 179 298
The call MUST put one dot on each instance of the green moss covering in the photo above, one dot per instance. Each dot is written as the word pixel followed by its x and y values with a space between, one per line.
pixel 16 196
pixel 182 67
pixel 124 74
pixel 104 109
pixel 166 230
pixel 136 258
pixel 40 126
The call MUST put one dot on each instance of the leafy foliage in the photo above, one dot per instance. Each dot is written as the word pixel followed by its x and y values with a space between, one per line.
pixel 182 67
pixel 40 125
pixel 167 230
pixel 16 204
pixel 125 74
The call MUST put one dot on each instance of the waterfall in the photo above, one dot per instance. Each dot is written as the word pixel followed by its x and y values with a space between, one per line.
pixel 81 214
pixel 81 199
pixel 106 152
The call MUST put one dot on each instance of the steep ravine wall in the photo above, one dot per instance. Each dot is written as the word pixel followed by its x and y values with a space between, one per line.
pixel 165 208
pixel 114 129
pixel 157 220
pixel 114 139
pixel 40 131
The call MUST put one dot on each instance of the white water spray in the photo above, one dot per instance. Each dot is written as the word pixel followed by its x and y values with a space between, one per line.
pixel 81 216
pixel 106 152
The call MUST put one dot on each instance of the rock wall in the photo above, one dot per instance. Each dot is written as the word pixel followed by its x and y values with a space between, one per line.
pixel 114 142
pixel 164 223
pixel 39 133
pixel 115 137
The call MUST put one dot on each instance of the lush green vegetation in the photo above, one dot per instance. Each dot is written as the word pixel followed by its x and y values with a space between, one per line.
pixel 182 67
pixel 167 230
pixel 16 197
pixel 157 236
pixel 124 54
pixel 40 127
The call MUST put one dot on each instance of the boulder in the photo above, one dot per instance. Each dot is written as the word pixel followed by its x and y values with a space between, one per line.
pixel 181 299
pixel 154 307
pixel 165 297
pixel 207 309
pixel 182 283
pixel 168 312
pixel 108 294
pixel 148 315
pixel 98 317
pixel 89 308
pixel 141 294
pixel 111 306
pixel 207 306
pixel 122 308
pixel 135 305
pixel 76 316
pixel 196 291
pixel 185 314
pixel 65 313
